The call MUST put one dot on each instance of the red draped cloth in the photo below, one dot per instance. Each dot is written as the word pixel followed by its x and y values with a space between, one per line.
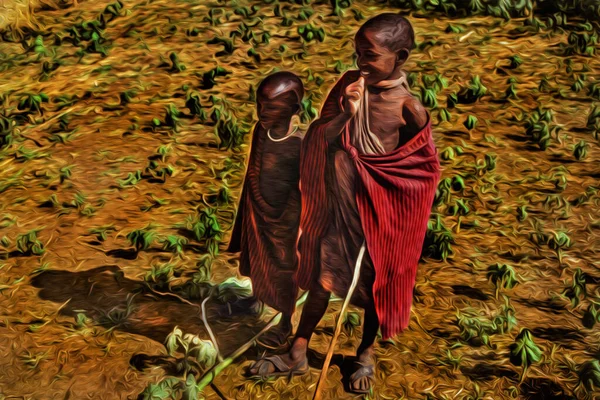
pixel 394 195
pixel 266 231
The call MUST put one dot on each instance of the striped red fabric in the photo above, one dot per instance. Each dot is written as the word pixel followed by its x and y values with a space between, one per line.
pixel 394 197
pixel 257 233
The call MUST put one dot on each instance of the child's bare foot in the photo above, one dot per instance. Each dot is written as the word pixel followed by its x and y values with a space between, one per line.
pixel 361 381
pixel 294 362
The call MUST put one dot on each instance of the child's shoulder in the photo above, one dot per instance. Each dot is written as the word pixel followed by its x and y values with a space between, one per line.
pixel 414 113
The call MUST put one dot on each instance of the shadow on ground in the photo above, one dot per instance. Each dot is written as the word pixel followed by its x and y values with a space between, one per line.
pixel 113 301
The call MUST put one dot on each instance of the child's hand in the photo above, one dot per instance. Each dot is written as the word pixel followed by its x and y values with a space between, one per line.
pixel 352 97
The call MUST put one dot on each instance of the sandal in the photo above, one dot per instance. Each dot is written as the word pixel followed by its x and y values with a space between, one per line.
pixel 281 368
pixel 364 370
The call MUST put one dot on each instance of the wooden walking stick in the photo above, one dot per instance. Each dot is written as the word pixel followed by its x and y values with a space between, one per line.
pixel 338 326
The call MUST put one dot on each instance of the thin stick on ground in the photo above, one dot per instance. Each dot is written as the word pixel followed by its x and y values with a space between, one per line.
pixel 338 326
pixel 212 373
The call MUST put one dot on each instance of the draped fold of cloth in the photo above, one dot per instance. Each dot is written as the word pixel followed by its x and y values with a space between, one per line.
pixel 394 195
pixel 266 234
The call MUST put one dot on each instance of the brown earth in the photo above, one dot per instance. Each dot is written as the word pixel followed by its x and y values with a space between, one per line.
pixel 46 354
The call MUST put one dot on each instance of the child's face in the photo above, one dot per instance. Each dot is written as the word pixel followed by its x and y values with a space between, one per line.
pixel 375 61
pixel 276 110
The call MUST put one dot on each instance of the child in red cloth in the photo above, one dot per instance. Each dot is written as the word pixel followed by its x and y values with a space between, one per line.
pixel 368 173
pixel 266 227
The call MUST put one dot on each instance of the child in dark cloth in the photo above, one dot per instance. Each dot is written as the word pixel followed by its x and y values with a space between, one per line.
pixel 266 226
pixel 368 172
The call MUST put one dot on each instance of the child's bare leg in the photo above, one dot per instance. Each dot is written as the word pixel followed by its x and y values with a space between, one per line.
pixel 277 336
pixel 314 309
pixel 362 379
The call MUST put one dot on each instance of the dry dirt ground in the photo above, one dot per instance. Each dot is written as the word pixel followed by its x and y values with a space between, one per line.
pixel 76 320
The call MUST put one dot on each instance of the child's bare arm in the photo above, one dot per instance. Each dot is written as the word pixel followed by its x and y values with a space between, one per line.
pixel 332 117
pixel 415 117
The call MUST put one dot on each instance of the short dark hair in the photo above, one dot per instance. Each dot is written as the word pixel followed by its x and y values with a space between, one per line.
pixel 279 83
pixel 397 31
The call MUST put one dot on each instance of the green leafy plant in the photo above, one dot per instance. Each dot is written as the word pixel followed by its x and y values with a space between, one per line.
pixel 160 276
pixel 559 241
pixel 502 276
pixel 172 115
pixel 101 232
pixel 450 153
pixel 165 389
pixel 339 6
pixel 176 65
pixel 591 315
pixel 32 103
pixel 474 91
pixel 580 150
pixel 515 61
pixel 577 288
pixel 471 122
pixel 351 322
pixel 193 103
pixel 233 289
pixel 197 353
pixel 228 46
pixel 142 239
pixel 209 78
pixel 206 228
pixel 309 33
pixel 174 244
pixel 308 112
pixel 522 213
pixel 132 179
pixel 511 91
pixel 475 327
pixel 7 126
pixel 29 243
pixel 589 375
pixel 582 43
pixel 438 240
pixel 230 133
pixel 524 352
pixel 214 16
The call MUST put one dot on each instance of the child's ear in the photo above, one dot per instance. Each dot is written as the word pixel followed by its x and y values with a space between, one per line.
pixel 402 56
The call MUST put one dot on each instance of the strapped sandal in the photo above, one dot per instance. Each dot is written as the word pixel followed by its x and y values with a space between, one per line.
pixel 365 370
pixel 281 368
